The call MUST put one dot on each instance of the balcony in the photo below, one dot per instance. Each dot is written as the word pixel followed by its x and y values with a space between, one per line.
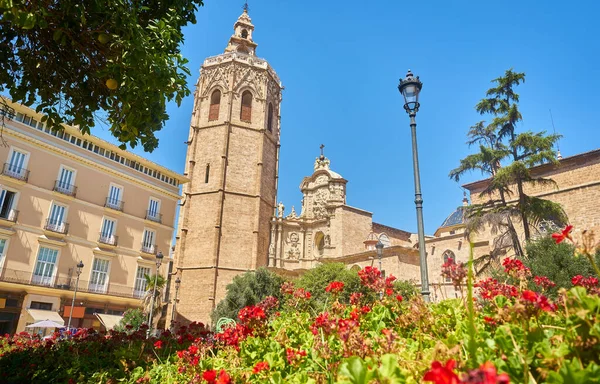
pixel 64 188
pixel 154 216
pixel 115 204
pixel 67 283
pixel 108 239
pixel 15 172
pixel 10 215
pixel 148 248
pixel 56 226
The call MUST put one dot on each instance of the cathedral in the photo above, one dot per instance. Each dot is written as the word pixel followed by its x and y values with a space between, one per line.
pixel 230 221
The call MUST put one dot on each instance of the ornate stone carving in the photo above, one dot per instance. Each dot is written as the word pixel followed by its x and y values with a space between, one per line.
pixel 213 76
pixel 336 191
pixel 280 209
pixel 319 201
pixel 321 162
pixel 293 241
pixel 292 214
pixel 250 76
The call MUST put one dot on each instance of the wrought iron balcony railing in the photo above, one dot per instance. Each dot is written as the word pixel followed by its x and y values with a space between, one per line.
pixel 67 283
pixel 154 216
pixel 64 188
pixel 15 172
pixel 149 248
pixel 10 215
pixel 114 204
pixel 108 239
pixel 57 226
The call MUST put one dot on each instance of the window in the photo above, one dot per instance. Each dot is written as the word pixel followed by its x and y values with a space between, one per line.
pixel 66 180
pixel 2 252
pixel 244 34
pixel 115 194
pixel 99 278
pixel 385 240
pixel 7 202
pixel 148 242
pixel 447 256
pixel 320 242
pixel 40 305
pixel 215 103
pixel 17 164
pixel 56 219
pixel 207 173
pixel 154 209
pixel 43 273
pixel 107 232
pixel 246 111
pixel 270 118
pixel 140 281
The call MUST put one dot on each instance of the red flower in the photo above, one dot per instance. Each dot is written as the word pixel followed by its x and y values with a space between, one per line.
pixel 440 374
pixel 260 366
pixel 192 349
pixel 486 374
pixel 565 234
pixel 224 378
pixel 399 297
pixel 389 291
pixel 544 282
pixel 158 344
pixel 529 296
pixel 355 297
pixel 335 287
pixel 210 375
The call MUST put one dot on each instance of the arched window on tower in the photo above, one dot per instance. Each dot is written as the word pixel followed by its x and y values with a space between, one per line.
pixel 215 103
pixel 270 118
pixel 246 112
pixel 244 34
pixel 448 254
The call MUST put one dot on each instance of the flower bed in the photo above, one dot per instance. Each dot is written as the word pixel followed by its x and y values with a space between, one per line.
pixel 504 330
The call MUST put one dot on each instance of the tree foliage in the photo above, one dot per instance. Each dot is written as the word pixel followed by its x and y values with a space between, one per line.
pixel 155 304
pixel 317 279
pixel 247 289
pixel 80 61
pixel 506 157
pixel 132 317
pixel 557 262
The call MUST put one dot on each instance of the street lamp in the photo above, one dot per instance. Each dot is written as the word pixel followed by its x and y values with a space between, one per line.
pixel 379 247
pixel 79 268
pixel 410 87
pixel 173 311
pixel 159 258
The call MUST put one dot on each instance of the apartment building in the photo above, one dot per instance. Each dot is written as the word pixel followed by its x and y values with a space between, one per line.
pixel 65 198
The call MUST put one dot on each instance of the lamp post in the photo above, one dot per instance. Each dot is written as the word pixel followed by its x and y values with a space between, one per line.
pixel 173 310
pixel 79 268
pixel 159 258
pixel 379 247
pixel 410 87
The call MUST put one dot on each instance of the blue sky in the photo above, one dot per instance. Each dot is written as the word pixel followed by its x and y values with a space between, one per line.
pixel 340 62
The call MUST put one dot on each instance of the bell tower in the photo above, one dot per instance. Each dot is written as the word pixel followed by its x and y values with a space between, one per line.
pixel 232 162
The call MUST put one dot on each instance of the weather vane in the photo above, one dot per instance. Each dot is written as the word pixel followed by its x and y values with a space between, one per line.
pixel 246 7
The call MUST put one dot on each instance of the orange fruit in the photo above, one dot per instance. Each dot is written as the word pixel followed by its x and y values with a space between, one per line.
pixel 112 84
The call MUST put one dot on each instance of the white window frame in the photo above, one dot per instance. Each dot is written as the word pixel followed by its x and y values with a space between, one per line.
pixel 72 185
pixel 64 218
pixel 152 248
pixel 158 206
pixel 15 202
pixel 4 252
pixel 95 287
pixel 25 161
pixel 117 204
pixel 52 278
pixel 114 230
pixel 136 292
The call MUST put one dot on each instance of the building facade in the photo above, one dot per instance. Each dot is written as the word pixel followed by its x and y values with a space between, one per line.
pixel 231 162
pixel 65 198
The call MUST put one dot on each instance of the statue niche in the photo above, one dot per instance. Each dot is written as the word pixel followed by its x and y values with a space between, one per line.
pixel 293 241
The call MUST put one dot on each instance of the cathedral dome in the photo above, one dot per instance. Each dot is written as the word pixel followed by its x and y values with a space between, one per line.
pixel 456 218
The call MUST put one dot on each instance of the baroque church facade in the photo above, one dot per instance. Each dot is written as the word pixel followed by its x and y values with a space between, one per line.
pixel 230 221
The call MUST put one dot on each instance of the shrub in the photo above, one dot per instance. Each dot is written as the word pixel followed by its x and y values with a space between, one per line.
pixel 132 321
pixel 317 279
pixel 247 289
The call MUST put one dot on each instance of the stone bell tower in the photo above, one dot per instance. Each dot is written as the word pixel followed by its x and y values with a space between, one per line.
pixel 232 162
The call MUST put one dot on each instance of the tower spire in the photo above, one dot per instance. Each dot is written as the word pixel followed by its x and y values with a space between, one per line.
pixel 241 40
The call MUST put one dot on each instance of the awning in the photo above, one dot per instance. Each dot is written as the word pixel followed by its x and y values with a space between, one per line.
pixel 41 315
pixel 109 321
